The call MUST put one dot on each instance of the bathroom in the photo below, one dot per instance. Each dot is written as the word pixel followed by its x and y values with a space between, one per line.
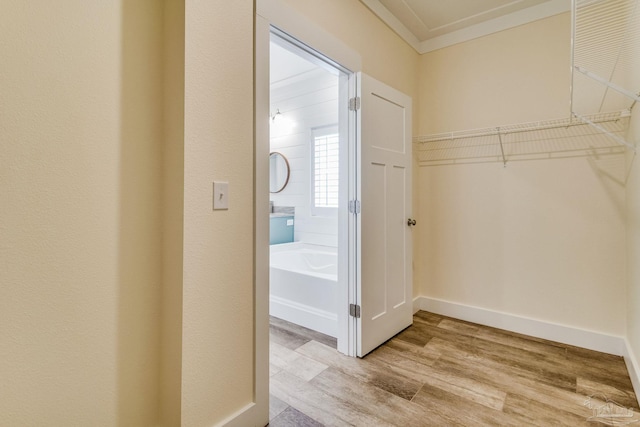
pixel 305 148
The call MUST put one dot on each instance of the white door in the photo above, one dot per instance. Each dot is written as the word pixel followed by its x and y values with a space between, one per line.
pixel 384 284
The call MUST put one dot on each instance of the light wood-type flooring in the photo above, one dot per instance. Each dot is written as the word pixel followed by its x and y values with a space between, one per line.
pixel 443 372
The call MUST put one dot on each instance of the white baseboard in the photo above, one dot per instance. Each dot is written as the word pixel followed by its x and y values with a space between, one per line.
pixel 235 419
pixel 536 328
pixel 304 315
pixel 416 304
pixel 632 366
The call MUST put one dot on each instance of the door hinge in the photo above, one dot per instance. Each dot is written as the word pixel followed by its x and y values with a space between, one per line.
pixel 354 103
pixel 354 206
pixel 354 310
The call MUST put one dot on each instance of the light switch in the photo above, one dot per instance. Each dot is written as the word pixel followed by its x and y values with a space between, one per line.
pixel 220 195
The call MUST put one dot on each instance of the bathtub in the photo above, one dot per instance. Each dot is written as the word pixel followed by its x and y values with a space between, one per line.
pixel 303 285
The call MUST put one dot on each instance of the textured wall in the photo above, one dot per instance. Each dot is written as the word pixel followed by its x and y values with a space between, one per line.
pixel 79 189
pixel 217 335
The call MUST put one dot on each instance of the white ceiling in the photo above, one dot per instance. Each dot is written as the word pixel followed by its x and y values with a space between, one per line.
pixel 285 64
pixel 433 24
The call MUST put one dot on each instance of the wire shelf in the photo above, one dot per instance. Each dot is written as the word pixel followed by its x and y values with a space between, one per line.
pixel 525 141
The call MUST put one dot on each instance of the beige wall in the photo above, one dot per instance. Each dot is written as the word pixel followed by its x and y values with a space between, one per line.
pixel 517 75
pixel 542 239
pixel 631 81
pixel 80 150
pixel 633 233
pixel 633 243
pixel 217 334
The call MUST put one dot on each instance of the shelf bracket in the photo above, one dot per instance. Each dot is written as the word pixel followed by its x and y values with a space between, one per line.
pixel 504 160
pixel 606 132
pixel 607 83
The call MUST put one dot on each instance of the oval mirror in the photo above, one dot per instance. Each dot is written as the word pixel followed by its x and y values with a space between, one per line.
pixel 278 172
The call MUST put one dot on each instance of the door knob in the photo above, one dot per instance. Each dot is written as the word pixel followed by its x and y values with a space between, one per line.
pixel 411 222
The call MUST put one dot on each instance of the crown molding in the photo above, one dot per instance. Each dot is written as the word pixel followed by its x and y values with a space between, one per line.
pixel 514 19
pixel 394 23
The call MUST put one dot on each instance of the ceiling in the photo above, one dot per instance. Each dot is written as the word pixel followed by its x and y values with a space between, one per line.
pixel 433 24
pixel 285 64
pixel 290 64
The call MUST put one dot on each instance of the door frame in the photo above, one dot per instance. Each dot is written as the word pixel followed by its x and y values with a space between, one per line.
pixel 346 326
pixel 274 14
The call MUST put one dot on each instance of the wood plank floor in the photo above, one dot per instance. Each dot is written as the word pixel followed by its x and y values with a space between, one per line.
pixel 442 372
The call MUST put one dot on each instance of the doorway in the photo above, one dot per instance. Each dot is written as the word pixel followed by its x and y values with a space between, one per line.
pixel 368 124
pixel 309 171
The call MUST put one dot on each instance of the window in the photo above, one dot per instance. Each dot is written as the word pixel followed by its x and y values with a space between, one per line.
pixel 325 144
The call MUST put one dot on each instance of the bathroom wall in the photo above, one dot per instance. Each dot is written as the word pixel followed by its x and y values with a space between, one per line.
pixel 542 239
pixel 306 102
pixel 80 272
